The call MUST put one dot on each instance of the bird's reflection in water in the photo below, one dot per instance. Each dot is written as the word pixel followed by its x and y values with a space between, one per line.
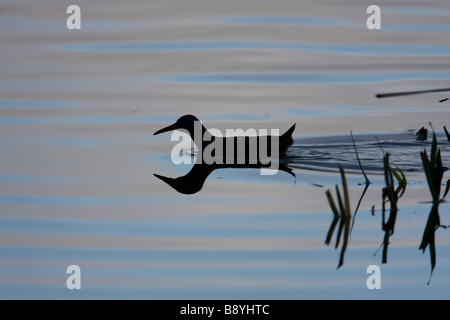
pixel 194 180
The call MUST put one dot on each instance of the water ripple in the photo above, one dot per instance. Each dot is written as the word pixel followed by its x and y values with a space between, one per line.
pixel 362 48
pixel 324 153
pixel 302 77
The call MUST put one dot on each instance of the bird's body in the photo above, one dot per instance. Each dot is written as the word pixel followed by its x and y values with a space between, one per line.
pixel 240 148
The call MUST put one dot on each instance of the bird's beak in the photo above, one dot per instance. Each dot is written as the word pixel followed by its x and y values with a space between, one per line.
pixel 170 181
pixel 169 128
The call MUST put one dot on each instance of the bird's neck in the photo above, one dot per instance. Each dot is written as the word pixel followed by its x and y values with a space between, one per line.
pixel 197 133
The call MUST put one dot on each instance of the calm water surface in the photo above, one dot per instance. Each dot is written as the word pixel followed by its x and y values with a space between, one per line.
pixel 78 109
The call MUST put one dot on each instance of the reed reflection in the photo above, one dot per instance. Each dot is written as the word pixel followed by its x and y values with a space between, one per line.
pixel 391 193
pixel 395 187
pixel 434 172
pixel 341 214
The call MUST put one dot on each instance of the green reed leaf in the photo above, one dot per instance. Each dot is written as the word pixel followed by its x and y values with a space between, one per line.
pixel 447 188
pixel 433 150
pixel 331 202
pixel 346 194
pixel 429 172
pixel 447 134
pixel 359 161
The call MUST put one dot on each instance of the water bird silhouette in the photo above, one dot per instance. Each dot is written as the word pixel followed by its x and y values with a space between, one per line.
pixel 190 123
pixel 193 181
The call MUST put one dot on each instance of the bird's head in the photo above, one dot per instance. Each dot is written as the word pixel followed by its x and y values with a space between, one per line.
pixel 186 122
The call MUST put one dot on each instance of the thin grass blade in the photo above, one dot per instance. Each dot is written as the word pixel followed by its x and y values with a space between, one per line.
pixel 346 195
pixel 447 188
pixel 447 134
pixel 359 161
pixel 331 202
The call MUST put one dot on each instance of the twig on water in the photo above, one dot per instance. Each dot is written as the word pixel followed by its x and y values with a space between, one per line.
pixel 406 93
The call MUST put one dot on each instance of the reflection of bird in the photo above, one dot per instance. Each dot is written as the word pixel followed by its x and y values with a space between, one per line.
pixel 188 122
pixel 193 181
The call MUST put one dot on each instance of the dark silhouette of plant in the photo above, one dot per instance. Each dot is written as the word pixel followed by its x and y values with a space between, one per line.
pixel 391 194
pixel 434 172
pixel 342 214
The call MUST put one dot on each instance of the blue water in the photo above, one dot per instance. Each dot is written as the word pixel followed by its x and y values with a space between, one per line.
pixel 78 155
pixel 283 20
pixel 302 77
pixel 366 48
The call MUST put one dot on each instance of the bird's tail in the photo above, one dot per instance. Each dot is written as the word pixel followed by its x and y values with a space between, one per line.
pixel 288 134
